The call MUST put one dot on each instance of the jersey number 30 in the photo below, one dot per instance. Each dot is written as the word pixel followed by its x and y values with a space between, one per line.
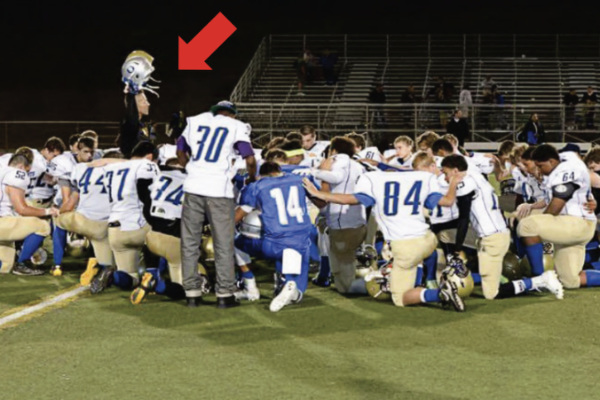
pixel 212 141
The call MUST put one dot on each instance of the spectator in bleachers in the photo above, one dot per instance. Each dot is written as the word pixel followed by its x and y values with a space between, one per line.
pixel 533 132
pixel 303 69
pixel 570 100
pixel 459 127
pixel 378 97
pixel 589 100
pixel 409 96
pixel 328 61
pixel 487 83
pixel 442 92
pixel 465 100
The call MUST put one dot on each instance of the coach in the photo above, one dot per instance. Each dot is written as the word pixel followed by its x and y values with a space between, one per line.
pixel 211 140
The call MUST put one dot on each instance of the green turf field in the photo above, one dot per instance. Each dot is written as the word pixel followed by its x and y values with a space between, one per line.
pixel 328 347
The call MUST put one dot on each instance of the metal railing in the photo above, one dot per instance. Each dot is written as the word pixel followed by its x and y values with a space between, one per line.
pixel 252 73
pixel 487 123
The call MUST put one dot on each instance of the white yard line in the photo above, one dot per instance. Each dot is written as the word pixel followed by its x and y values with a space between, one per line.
pixel 42 305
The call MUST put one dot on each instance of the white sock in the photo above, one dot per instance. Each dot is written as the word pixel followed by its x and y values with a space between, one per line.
pixel 519 286
pixel 422 295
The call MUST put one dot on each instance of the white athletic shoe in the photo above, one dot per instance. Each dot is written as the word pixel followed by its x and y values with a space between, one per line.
pixel 251 289
pixel 289 294
pixel 551 283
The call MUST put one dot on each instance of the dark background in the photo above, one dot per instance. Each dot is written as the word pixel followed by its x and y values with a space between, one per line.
pixel 61 60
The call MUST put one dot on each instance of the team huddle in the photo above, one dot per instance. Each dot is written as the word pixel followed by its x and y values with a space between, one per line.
pixel 415 227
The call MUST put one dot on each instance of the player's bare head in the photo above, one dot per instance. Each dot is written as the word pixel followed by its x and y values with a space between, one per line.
pixel 442 148
pixel 404 146
pixel 505 149
pixel 146 150
pixel 453 164
pixel 276 155
pixel 342 145
pixel 113 154
pixel 452 139
pixel 73 139
pixel 527 161
pixel 53 147
pixel 275 142
pixel 85 149
pixel 515 155
pixel 90 134
pixel 25 152
pixel 424 162
pixel 358 140
pixel 269 168
pixel 294 135
pixel 309 136
pixel 293 151
pixel 426 140
pixel 20 161
pixel 546 158
pixel 592 159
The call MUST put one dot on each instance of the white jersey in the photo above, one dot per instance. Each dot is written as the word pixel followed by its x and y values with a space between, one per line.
pixel 484 163
pixel 370 153
pixel 39 188
pixel 535 190
pixel 120 180
pixel 314 155
pixel 572 171
pixel 4 159
pixel 520 180
pixel 399 199
pixel 440 214
pixel 486 216
pixel 62 165
pixel 93 196
pixel 165 152
pixel 403 163
pixel 167 194
pixel 342 178
pixel 389 153
pixel 14 177
pixel 211 139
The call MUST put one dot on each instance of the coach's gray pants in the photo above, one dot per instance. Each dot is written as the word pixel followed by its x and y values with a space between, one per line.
pixel 220 214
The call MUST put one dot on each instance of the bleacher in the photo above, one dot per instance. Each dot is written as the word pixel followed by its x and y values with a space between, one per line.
pixel 533 72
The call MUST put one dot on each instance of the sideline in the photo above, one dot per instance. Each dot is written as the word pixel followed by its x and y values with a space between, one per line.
pixel 24 313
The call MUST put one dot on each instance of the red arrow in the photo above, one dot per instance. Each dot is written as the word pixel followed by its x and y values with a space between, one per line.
pixel 193 55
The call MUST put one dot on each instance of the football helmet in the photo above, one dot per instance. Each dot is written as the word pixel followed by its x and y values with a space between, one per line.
pixel 511 267
pixel 377 283
pixel 208 249
pixel 77 245
pixel 251 225
pixel 136 71
pixel 464 284
pixel 39 257
pixel 365 256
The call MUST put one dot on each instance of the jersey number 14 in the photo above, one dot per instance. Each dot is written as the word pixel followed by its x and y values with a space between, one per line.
pixel 292 209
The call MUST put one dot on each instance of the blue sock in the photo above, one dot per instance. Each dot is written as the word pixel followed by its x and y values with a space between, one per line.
pixel 163 265
pixel 379 246
pixel 592 277
pixel 59 242
pixel 476 278
pixel 324 269
pixel 596 265
pixel 419 279
pixel 430 264
pixel 518 244
pixel 527 282
pixel 535 254
pixel 122 280
pixel 248 275
pixel 431 296
pixel 30 245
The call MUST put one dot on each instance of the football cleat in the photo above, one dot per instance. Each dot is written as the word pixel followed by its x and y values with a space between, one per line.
pixel 449 296
pixel 288 295
pixel 56 270
pixel 23 270
pixel 321 282
pixel 551 283
pixel 147 285
pixel 205 284
pixel 101 281
pixel 227 302
pixel 90 272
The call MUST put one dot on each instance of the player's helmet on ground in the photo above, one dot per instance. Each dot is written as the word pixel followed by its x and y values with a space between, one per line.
pixel 511 267
pixel 136 71
pixel 378 284
pixel 365 256
pixel 464 284
pixel 251 225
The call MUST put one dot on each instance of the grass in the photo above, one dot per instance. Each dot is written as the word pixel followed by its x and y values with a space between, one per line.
pixel 327 347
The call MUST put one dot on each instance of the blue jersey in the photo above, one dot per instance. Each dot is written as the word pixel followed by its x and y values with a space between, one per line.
pixel 282 202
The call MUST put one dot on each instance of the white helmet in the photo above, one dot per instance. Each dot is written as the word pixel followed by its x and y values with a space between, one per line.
pixel 251 225
pixel 136 71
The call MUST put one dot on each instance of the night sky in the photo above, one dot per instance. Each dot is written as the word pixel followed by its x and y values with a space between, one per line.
pixel 61 60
